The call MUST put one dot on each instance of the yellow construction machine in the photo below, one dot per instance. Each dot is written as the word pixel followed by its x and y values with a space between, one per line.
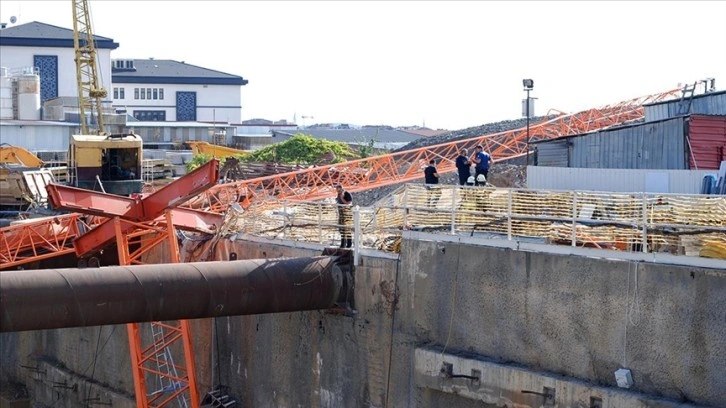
pixel 23 177
pixel 212 150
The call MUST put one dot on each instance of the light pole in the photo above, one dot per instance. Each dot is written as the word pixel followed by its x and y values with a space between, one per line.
pixel 528 86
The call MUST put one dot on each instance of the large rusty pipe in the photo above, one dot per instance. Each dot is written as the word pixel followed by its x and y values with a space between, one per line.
pixel 57 298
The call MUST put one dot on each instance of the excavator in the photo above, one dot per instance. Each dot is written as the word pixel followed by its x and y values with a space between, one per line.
pixel 23 177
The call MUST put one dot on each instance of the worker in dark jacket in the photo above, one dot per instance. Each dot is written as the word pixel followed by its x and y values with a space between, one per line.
pixel 464 166
pixel 431 177
pixel 345 216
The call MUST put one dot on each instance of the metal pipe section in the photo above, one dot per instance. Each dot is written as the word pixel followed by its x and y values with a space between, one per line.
pixel 58 298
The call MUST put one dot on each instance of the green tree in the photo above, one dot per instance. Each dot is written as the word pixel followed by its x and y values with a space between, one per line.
pixel 302 149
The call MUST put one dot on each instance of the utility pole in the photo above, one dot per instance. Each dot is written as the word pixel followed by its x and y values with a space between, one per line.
pixel 528 86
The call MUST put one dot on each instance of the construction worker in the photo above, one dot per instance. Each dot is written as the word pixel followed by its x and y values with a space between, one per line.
pixel 481 160
pixel 345 216
pixel 464 166
pixel 431 178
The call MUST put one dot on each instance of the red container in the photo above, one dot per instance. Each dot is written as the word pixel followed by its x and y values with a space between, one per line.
pixel 707 136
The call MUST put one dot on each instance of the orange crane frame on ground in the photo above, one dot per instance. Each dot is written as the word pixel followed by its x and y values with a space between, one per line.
pixel 32 241
pixel 378 171
pixel 136 229
pixel 36 240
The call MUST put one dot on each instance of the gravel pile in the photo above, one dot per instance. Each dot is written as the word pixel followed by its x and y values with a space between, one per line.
pixel 471 132
pixel 506 174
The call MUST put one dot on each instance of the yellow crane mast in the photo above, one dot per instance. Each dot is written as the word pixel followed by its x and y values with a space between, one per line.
pixel 90 93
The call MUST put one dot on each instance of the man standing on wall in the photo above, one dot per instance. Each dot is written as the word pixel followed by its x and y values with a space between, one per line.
pixel 345 216
pixel 431 176
pixel 481 160
pixel 464 166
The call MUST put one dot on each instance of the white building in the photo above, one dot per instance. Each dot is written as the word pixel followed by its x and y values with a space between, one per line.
pixel 50 50
pixel 167 90
pixel 150 90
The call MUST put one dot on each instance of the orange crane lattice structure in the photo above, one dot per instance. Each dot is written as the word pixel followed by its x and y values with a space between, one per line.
pixel 378 171
pixel 32 241
pixel 138 225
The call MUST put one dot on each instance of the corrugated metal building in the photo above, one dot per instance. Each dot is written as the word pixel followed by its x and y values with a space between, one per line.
pixel 37 135
pixel 712 103
pixel 660 144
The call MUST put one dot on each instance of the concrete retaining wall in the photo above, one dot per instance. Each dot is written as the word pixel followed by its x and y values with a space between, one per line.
pixel 544 316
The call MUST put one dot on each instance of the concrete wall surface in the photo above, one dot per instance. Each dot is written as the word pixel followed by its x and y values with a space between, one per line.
pixel 574 316
pixel 523 320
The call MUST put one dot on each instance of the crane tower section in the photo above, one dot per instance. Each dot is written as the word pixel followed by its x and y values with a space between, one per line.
pixel 90 93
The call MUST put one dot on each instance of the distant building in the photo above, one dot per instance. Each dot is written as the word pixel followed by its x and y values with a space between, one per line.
pixel 141 92
pixel 257 133
pixel 50 50
pixel 423 131
pixel 146 89
pixel 167 90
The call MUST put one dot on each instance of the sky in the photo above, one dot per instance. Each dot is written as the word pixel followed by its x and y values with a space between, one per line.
pixel 443 64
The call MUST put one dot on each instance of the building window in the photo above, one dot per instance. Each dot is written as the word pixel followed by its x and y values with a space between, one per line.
pixel 121 93
pixel 156 93
pixel 150 116
pixel 143 93
pixel 129 64
pixel 161 93
pixel 136 93
pixel 148 93
pixel 115 93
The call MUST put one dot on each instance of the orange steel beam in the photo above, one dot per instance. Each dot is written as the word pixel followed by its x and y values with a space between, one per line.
pixel 111 205
pixel 148 208
pixel 363 174
pixel 147 361
pixel 42 239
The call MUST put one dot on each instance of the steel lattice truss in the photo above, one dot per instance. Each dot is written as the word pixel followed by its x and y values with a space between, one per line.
pixel 37 240
pixel 373 172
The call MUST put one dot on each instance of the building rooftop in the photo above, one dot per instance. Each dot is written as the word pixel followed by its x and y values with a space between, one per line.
pixel 696 96
pixel 153 71
pixel 35 34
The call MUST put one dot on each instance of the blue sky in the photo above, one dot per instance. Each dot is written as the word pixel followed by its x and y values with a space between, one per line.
pixel 450 64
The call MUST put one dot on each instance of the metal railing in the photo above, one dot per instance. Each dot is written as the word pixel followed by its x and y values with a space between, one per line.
pixel 643 222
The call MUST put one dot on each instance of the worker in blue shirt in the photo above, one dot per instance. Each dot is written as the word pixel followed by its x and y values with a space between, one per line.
pixel 481 160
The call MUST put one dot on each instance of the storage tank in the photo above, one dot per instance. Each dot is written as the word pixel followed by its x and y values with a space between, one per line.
pixel 29 97
pixel 6 95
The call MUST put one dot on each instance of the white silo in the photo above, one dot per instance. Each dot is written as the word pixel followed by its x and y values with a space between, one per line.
pixel 29 97
pixel 6 95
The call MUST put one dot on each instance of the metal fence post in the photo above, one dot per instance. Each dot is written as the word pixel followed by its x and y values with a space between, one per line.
pixel 509 214
pixel 356 235
pixel 645 223
pixel 574 219
pixel 405 206
pixel 284 216
pixel 320 223
pixel 454 190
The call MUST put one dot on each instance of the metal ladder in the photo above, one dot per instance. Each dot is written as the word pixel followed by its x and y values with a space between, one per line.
pixel 218 399
pixel 684 105
pixel 165 364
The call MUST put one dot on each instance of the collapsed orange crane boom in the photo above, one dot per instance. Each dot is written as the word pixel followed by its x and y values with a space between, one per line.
pixel 373 172
pixel 32 241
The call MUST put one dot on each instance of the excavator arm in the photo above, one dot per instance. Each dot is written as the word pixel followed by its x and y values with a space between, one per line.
pixel 18 155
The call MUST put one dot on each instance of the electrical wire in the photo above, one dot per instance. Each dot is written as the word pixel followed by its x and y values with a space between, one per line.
pixel 393 319
pixel 453 301
pixel 93 371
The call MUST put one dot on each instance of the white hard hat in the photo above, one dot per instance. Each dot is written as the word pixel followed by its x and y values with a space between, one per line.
pixel 470 180
pixel 481 178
